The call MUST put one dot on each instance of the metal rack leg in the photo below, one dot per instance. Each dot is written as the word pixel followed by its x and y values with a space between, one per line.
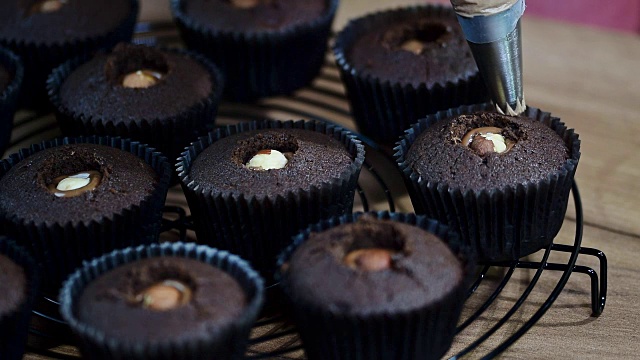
pixel 559 286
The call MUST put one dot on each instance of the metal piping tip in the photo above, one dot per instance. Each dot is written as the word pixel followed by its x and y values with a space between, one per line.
pixel 500 65
pixel 496 45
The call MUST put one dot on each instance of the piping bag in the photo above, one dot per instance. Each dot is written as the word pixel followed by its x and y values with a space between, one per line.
pixel 492 29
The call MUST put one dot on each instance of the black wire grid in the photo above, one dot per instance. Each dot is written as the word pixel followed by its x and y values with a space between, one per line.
pixel 48 329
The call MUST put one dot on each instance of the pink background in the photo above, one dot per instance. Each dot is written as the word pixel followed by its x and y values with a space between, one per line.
pixel 615 14
pixel 621 15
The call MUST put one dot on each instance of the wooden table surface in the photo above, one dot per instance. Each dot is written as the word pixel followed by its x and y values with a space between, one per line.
pixel 591 79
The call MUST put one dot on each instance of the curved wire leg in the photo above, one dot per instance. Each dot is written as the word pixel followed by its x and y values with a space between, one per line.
pixel 559 286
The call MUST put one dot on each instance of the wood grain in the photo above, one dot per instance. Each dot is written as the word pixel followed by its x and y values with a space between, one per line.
pixel 589 78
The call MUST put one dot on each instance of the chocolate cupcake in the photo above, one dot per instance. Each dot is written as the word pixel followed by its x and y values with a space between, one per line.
pixel 376 286
pixel 252 186
pixel 400 65
pixel 147 302
pixel 264 47
pixel 45 33
pixel 19 285
pixel 11 74
pixel 72 199
pixel 503 182
pixel 165 98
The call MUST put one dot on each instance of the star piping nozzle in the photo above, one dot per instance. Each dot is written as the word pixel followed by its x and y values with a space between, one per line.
pixel 492 29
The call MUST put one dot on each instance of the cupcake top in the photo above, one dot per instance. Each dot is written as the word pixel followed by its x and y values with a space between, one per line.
pixel 372 266
pixel 270 162
pixel 410 46
pixel 75 183
pixel 253 15
pixel 5 78
pixel 486 150
pixel 135 83
pixel 13 285
pixel 160 299
pixel 56 21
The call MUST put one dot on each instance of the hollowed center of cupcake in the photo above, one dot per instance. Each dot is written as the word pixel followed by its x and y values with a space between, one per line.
pixel 47 6
pixel 76 184
pixel 267 159
pixel 166 295
pixel 244 4
pixel 372 259
pixel 416 40
pixel 141 79
pixel 486 140
pixel 268 150
pixel 376 246
pixel 136 66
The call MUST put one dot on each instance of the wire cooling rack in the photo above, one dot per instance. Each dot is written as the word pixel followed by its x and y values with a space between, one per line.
pixel 380 187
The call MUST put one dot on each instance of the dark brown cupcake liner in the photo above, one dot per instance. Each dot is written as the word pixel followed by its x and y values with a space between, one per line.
pixel 9 97
pixel 168 135
pixel 503 224
pixel 423 333
pixel 258 228
pixel 61 248
pixel 381 109
pixel 40 58
pixel 228 342
pixel 14 326
pixel 260 64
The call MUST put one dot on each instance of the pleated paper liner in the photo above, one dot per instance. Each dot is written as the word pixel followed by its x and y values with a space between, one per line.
pixel 168 135
pixel 501 224
pixel 382 110
pixel 14 325
pixel 39 59
pixel 226 342
pixel 9 96
pixel 424 332
pixel 60 248
pixel 258 64
pixel 258 228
